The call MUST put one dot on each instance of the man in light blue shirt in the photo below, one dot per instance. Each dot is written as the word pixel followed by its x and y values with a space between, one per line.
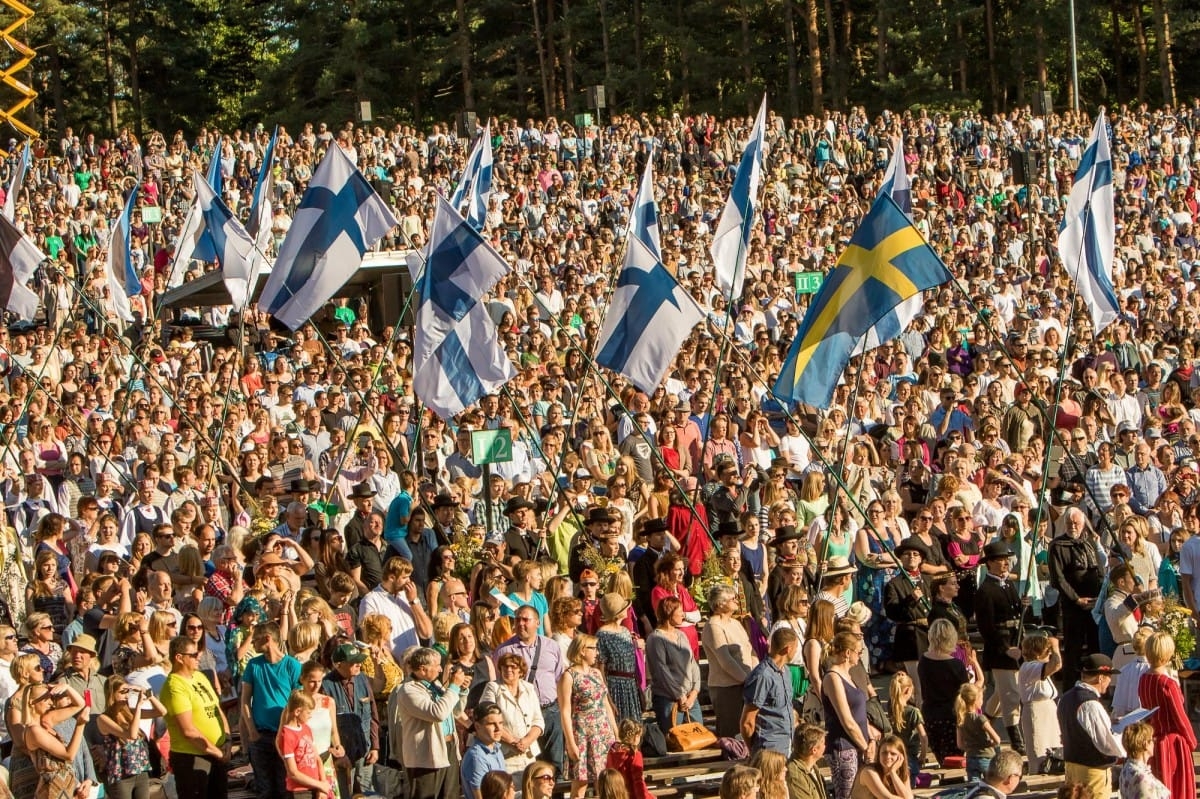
pixel 484 754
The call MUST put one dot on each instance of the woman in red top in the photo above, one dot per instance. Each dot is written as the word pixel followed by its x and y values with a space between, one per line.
pixel 668 572
pixel 1174 738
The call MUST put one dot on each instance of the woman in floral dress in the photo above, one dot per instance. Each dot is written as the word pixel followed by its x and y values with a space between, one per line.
pixel 589 727
pixel 617 656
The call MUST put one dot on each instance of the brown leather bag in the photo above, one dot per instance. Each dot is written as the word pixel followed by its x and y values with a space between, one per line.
pixel 690 737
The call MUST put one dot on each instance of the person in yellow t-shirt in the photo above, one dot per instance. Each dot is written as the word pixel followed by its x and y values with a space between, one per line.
pixel 197 726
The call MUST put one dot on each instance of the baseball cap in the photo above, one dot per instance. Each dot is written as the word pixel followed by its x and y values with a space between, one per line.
pixel 348 653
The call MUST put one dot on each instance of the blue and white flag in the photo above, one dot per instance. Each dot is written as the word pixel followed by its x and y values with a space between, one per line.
pixel 896 184
pixel 1087 238
pixel 123 279
pixel 339 218
pixel 732 240
pixel 235 248
pixel 261 212
pixel 643 218
pixel 650 315
pixel 18 180
pixel 456 355
pixel 475 183
pixel 215 179
pixel 203 247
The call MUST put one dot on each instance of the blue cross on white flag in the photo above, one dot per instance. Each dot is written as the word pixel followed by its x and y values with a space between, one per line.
pixel 650 314
pixel 897 184
pixel 261 212
pixel 643 218
pixel 340 217
pixel 233 245
pixel 1087 239
pixel 456 357
pixel 475 183
pixel 732 240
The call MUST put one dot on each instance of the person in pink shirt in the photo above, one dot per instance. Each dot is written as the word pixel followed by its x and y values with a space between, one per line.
pixel 295 744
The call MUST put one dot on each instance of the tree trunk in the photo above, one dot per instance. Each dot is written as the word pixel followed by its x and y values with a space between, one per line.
pixel 1166 62
pixel 844 82
pixel 604 42
pixel 815 70
pixel 961 38
pixel 993 74
pixel 464 54
pixel 568 47
pixel 135 83
pixel 789 32
pixel 747 75
pixel 881 44
pixel 1039 36
pixel 1114 8
pixel 1143 48
pixel 552 60
pixel 685 67
pixel 110 78
pixel 541 54
pixel 834 55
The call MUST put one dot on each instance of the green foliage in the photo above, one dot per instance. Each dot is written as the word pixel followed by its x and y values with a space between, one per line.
pixel 170 64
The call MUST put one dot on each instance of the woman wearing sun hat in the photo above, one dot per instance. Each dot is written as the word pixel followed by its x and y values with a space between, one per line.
pixel 617 651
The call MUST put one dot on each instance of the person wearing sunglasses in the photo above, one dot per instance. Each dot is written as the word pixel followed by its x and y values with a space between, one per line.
pixel 199 731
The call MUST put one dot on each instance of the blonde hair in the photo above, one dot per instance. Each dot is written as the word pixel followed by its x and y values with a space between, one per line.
pixel 969 697
pixel 1160 649
pixel 739 781
pixel 297 702
pixel 304 636
pixel 575 650
pixel 1138 739
pixel 621 583
pixel 375 628
pixel 901 682
pixel 943 636
pixel 1140 638
pixel 443 623
pixel 771 767
pixel 610 784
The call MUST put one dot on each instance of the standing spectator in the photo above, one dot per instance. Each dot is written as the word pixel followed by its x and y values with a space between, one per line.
pixel 357 719
pixel 484 754
pixel 941 675
pixel 731 658
pixel 398 598
pixel 1076 572
pixel 848 741
pixel 1137 779
pixel 1039 718
pixel 267 683
pixel 126 749
pixel 199 731
pixel 766 720
pixel 1174 737
pixel 671 669
pixel 518 702
pixel 1089 747
pixel 617 652
pixel 998 612
pixel 424 711
pixel 544 659
pixel 589 724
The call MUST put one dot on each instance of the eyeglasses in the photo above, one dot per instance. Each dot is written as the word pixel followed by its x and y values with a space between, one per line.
pixel 925 518
pixel 190 654
pixel 192 627
pixel 38 667
pixel 45 627
pixel 588 585
pixel 540 777
pixel 10 637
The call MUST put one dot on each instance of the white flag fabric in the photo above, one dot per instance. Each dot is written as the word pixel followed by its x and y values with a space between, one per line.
pixel 18 256
pixel 1087 239
pixel 261 212
pixel 475 183
pixel 732 239
pixel 186 244
pixel 233 245
pixel 648 320
pixel 340 217
pixel 10 199
pixel 456 357
pixel 123 280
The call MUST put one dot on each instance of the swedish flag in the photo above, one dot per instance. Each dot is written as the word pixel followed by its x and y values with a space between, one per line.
pixel 886 262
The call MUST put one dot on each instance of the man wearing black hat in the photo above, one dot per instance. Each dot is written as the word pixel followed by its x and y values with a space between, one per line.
pixel 998 610
pixel 525 541
pixel 360 496
pixel 906 602
pixel 598 539
pixel 787 546
pixel 1090 749
pixel 642 571
pixel 445 508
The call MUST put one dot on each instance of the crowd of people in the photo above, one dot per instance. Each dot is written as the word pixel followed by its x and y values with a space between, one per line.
pixel 265 537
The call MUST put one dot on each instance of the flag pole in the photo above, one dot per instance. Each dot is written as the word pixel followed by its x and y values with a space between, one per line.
pixel 37 385
pixel 868 525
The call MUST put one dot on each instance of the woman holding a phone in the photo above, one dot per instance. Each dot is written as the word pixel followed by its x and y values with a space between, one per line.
pixel 126 750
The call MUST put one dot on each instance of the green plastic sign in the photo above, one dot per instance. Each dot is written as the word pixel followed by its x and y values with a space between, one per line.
pixel 808 282
pixel 491 446
pixel 151 214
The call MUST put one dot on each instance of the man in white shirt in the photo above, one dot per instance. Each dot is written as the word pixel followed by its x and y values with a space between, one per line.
pixel 397 598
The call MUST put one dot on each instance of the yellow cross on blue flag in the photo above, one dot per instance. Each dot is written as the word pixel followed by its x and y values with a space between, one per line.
pixel 886 262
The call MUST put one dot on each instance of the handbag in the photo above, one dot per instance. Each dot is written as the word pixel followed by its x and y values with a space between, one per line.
pixel 654 743
pixel 690 737
pixel 351 732
pixel 876 717
pixel 811 710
